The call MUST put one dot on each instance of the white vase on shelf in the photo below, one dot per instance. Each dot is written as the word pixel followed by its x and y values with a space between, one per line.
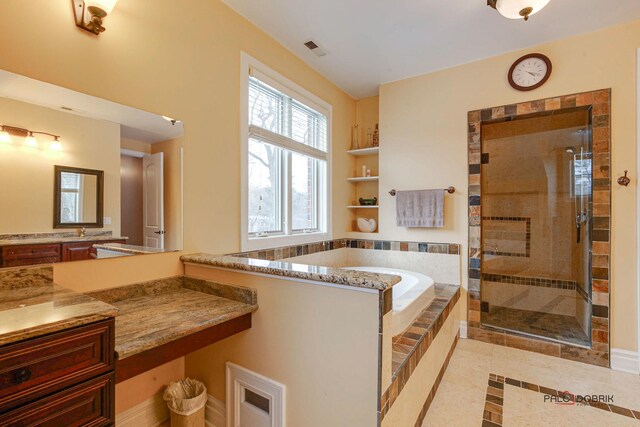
pixel 367 225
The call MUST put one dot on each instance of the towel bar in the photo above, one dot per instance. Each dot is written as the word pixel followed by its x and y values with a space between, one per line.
pixel 449 190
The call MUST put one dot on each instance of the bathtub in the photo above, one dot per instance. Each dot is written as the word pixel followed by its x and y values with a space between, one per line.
pixel 410 295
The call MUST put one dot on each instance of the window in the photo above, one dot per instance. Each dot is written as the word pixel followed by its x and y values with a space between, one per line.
pixel 286 167
pixel 71 197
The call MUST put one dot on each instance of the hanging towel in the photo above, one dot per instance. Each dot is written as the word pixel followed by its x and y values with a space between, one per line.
pixel 424 208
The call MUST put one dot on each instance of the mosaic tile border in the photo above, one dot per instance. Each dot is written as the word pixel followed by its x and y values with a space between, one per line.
pixel 275 254
pixel 540 282
pixel 410 346
pixel 436 384
pixel 527 251
pixel 493 414
pixel 599 103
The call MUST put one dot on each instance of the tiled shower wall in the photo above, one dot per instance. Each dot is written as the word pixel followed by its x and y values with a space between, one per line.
pixel 600 103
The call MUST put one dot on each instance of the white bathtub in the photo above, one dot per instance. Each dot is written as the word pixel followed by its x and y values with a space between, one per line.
pixel 410 295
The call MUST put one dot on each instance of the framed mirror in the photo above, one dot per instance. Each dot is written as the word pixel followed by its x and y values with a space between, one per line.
pixel 78 197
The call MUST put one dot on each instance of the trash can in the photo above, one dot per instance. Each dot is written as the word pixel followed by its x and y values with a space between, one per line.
pixel 186 400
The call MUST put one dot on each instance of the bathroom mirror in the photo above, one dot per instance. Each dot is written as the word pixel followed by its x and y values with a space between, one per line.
pixel 78 197
pixel 111 173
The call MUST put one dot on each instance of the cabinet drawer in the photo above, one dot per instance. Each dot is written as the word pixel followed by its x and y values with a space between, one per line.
pixel 30 252
pixel 91 403
pixel 29 261
pixel 34 368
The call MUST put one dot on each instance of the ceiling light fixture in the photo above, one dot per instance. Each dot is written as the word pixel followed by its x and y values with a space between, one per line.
pixel 6 132
pixel 518 9
pixel 90 14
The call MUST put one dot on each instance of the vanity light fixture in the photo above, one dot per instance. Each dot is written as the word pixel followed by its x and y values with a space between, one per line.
pixel 89 14
pixel 31 141
pixel 518 9
pixel 6 132
pixel 4 136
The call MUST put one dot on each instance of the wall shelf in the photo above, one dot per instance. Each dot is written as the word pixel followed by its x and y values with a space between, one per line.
pixel 363 179
pixel 362 207
pixel 364 151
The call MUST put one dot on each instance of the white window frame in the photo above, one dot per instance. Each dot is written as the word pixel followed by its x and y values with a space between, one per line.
pixel 285 85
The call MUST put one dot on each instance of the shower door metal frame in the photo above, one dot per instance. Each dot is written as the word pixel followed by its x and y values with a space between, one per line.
pixel 600 103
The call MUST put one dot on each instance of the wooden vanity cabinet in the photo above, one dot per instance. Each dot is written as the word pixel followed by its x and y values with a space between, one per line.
pixel 48 253
pixel 64 378
pixel 79 251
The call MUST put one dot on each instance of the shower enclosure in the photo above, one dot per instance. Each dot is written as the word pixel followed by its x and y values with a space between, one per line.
pixel 536 176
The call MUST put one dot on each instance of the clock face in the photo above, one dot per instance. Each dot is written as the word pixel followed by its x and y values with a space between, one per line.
pixel 530 72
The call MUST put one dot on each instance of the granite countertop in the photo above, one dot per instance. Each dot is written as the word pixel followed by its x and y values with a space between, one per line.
pixel 52 240
pixel 157 312
pixel 358 279
pixel 30 308
pixel 131 249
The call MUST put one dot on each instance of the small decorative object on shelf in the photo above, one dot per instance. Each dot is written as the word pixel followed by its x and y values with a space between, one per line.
pixel 369 138
pixel 376 137
pixel 354 138
pixel 364 171
pixel 367 225
pixel 368 202
pixel 368 172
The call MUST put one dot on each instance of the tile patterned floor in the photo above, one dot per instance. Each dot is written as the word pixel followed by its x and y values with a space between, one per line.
pixel 477 368
pixel 554 326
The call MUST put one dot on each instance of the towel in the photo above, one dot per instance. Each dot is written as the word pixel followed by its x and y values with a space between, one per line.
pixel 424 208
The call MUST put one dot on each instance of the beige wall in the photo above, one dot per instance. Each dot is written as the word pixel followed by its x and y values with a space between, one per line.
pixel 424 134
pixel 131 199
pixel 27 174
pixel 189 69
pixel 307 337
pixel 130 144
pixel 172 150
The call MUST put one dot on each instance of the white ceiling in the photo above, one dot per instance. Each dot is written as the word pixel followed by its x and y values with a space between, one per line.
pixel 371 42
pixel 134 124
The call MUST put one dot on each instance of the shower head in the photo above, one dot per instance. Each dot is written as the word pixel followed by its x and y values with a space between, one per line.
pixel 570 150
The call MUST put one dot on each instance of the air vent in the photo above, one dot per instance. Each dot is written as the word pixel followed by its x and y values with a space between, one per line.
pixel 315 48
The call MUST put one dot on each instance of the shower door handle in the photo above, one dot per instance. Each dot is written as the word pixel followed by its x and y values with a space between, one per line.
pixel 578 229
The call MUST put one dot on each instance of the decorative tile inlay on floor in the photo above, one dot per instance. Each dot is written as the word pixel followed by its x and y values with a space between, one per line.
pixel 494 406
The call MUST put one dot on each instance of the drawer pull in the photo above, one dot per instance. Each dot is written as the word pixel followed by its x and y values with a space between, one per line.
pixel 33 251
pixel 23 375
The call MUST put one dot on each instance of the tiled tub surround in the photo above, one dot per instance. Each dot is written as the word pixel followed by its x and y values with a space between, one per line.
pixel 31 305
pixel 326 262
pixel 600 104
pixel 157 312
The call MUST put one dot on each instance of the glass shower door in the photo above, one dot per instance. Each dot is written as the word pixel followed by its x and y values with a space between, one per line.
pixel 536 226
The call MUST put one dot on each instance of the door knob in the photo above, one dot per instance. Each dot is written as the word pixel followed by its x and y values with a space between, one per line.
pixel 159 232
pixel 23 375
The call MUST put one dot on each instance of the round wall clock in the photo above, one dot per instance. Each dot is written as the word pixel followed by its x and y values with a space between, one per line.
pixel 530 72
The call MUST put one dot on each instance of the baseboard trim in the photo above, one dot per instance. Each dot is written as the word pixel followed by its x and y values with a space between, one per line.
pixel 150 413
pixel 215 413
pixel 625 361
pixel 153 412
pixel 463 329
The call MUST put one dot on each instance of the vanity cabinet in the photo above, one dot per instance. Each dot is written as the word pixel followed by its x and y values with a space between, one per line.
pixel 66 378
pixel 48 253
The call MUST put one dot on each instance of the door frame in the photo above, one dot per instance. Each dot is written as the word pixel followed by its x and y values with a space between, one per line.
pixel 638 205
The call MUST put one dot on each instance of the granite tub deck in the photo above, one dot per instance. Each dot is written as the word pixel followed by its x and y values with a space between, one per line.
pixel 131 249
pixel 161 320
pixel 336 276
pixel 31 305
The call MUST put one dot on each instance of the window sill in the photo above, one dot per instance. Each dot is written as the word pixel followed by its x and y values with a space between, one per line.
pixel 268 242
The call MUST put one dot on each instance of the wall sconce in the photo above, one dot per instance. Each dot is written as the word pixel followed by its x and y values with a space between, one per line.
pixel 89 14
pixel 6 132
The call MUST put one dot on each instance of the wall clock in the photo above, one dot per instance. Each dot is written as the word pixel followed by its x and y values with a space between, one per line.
pixel 530 72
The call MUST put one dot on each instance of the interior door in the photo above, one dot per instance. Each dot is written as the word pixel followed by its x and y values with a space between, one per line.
pixel 153 199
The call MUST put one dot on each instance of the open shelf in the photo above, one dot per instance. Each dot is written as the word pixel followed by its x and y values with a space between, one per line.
pixel 362 207
pixel 364 151
pixel 363 178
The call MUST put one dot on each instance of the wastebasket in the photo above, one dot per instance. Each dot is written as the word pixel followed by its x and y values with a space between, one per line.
pixel 186 400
